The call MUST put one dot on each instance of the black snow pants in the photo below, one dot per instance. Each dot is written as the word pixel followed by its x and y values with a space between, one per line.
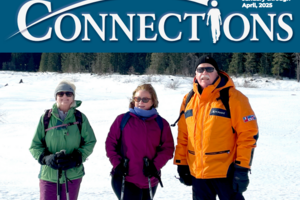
pixel 208 189
pixel 131 191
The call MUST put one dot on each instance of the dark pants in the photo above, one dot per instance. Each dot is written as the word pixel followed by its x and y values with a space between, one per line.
pixel 131 191
pixel 208 189
pixel 48 190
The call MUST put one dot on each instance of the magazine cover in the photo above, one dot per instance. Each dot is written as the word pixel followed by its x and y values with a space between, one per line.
pixel 142 100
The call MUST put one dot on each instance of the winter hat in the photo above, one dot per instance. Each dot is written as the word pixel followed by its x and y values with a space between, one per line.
pixel 207 59
pixel 65 86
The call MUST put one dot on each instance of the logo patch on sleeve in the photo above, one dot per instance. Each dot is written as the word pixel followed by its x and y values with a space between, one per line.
pixel 249 118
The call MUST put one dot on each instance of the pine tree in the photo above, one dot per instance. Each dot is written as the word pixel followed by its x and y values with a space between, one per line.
pixel 43 64
pixel 236 65
pixel 265 65
pixel 280 61
pixel 297 61
pixel 31 65
pixel 158 63
pixel 54 62
pixel 250 63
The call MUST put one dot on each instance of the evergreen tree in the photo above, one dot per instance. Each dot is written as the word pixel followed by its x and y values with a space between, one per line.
pixel 280 61
pixel 44 61
pixel 236 65
pixel 159 63
pixel 31 64
pixel 54 62
pixel 265 65
pixel 250 63
pixel 297 61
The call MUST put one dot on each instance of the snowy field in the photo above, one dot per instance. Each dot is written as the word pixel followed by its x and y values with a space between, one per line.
pixel 276 165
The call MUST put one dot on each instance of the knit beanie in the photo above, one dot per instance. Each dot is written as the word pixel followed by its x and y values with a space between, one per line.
pixel 63 87
pixel 207 59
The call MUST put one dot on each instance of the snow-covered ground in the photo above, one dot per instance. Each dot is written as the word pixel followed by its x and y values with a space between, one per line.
pixel 275 171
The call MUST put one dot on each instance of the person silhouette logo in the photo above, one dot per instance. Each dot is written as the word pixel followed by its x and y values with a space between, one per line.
pixel 215 15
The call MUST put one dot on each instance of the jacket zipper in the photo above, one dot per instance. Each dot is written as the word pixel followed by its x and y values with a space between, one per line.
pixel 218 152
pixel 201 140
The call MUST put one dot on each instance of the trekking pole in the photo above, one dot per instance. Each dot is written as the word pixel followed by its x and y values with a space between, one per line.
pixel 123 180
pixel 67 187
pixel 146 162
pixel 59 172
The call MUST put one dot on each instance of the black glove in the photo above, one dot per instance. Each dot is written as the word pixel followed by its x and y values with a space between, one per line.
pixel 240 179
pixel 150 170
pixel 185 175
pixel 49 160
pixel 122 168
pixel 68 161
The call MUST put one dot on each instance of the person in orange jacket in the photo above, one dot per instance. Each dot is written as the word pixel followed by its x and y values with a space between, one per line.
pixel 215 145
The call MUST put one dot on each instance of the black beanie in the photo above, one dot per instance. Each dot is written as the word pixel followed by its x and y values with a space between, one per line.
pixel 207 59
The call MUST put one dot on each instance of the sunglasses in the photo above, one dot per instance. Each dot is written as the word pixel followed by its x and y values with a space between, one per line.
pixel 207 69
pixel 61 94
pixel 144 100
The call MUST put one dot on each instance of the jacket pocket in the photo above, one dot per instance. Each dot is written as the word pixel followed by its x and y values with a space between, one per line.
pixel 218 152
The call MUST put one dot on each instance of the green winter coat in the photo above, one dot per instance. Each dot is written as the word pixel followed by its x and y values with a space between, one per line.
pixel 67 138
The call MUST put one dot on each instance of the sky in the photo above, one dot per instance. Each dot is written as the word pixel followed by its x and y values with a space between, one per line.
pixel 275 170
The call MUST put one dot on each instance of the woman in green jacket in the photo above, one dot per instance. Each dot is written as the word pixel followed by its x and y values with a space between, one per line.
pixel 62 142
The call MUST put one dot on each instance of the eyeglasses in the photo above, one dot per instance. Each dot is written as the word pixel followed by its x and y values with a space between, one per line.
pixel 207 69
pixel 61 94
pixel 144 100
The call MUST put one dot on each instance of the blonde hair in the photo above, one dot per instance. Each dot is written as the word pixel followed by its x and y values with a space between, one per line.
pixel 149 88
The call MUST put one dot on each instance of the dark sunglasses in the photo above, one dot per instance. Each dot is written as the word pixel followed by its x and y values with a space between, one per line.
pixel 61 94
pixel 144 100
pixel 207 69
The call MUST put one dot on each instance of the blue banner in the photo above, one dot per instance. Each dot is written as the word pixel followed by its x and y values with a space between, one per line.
pixel 150 26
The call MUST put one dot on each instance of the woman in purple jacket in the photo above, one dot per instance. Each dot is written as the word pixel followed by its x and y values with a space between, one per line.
pixel 140 147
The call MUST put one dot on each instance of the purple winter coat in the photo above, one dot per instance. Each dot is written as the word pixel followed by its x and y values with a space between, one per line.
pixel 140 138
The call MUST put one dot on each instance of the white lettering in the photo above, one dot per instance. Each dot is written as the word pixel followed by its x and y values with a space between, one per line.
pixel 256 18
pixel 57 27
pixel 286 27
pixel 117 19
pixel 194 24
pixel 143 27
pixel 22 21
pixel 101 33
pixel 246 27
pixel 161 27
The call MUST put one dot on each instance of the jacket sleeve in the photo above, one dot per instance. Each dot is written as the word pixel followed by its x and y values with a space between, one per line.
pixel 112 142
pixel 37 147
pixel 245 124
pixel 89 138
pixel 166 150
pixel 182 139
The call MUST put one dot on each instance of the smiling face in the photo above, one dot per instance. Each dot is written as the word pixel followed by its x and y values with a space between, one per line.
pixel 205 78
pixel 143 94
pixel 63 101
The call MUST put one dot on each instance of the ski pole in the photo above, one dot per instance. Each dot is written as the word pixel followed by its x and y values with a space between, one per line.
pixel 146 162
pixel 125 164
pixel 58 184
pixel 59 171
pixel 67 187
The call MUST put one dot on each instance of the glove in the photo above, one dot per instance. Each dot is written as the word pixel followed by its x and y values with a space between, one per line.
pixel 150 170
pixel 122 168
pixel 49 160
pixel 240 179
pixel 68 161
pixel 185 175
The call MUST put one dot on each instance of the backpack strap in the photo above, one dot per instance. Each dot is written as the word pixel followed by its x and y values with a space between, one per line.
pixel 188 98
pixel 224 97
pixel 46 120
pixel 159 121
pixel 78 118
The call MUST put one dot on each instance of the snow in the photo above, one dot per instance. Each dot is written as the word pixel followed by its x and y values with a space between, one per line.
pixel 275 171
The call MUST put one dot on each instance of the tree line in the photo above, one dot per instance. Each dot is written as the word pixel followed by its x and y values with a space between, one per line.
pixel 265 64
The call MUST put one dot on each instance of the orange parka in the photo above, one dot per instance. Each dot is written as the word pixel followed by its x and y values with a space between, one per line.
pixel 208 141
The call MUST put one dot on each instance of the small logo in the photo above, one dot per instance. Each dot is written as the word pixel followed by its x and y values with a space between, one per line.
pixel 249 118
